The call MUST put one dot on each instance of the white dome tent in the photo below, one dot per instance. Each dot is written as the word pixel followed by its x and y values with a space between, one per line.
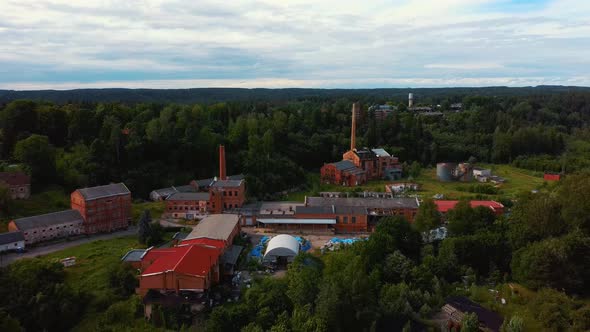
pixel 282 247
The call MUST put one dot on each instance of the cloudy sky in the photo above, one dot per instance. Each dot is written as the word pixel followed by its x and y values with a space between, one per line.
pixel 64 44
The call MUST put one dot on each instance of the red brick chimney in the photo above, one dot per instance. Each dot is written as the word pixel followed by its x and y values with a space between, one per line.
pixel 221 162
pixel 355 109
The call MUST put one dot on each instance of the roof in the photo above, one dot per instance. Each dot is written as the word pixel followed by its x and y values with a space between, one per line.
pixel 444 206
pixel 11 237
pixel 381 152
pixel 114 189
pixel 365 153
pixel 307 221
pixel 49 219
pixel 226 183
pixel 187 188
pixel 369 202
pixel 15 178
pixel 232 254
pixel 489 318
pixel 134 255
pixel 343 164
pixel 188 197
pixel 314 210
pixel 215 226
pixel 236 177
pixel 350 210
pixel 165 191
pixel 219 244
pixel 179 236
pixel 194 260
pixel 282 245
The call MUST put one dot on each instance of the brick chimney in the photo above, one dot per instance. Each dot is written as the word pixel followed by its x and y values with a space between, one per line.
pixel 355 109
pixel 221 162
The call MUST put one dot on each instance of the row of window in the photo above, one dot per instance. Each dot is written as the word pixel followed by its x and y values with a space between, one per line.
pixel 51 228
pixel 344 220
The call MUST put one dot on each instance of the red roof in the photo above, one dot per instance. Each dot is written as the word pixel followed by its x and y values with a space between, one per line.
pixel 15 178
pixel 219 244
pixel 194 260
pixel 551 177
pixel 445 206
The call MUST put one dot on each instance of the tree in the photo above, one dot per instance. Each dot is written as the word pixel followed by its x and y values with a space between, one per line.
pixel 123 280
pixel 397 268
pixel 304 277
pixel 427 217
pixel 515 324
pixel 5 199
pixel 144 223
pixel 39 156
pixel 470 323
pixel 9 324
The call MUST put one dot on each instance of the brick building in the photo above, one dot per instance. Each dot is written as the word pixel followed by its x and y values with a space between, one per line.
pixel 187 205
pixel 18 183
pixel 48 226
pixel 225 194
pixel 343 172
pixel 104 208
pixel 376 163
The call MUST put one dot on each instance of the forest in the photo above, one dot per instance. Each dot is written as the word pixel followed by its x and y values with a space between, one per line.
pixel 276 143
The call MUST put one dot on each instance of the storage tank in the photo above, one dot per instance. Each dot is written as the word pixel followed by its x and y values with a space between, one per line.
pixel 444 171
pixel 465 172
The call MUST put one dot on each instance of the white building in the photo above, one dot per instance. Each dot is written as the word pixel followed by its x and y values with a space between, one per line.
pixel 12 241
pixel 281 248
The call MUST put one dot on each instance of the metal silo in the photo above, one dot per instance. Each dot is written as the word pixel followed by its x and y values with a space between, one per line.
pixel 444 171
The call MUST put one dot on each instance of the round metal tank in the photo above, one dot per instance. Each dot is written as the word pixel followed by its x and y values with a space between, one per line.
pixel 444 171
pixel 465 172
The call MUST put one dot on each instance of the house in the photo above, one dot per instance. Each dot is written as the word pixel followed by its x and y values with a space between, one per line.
pixel 48 226
pixel 443 206
pixel 186 205
pixel 457 307
pixel 18 183
pixel 12 241
pixel 343 172
pixel 104 208
pixel 551 177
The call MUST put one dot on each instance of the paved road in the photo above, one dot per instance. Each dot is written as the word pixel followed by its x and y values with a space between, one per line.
pixel 51 248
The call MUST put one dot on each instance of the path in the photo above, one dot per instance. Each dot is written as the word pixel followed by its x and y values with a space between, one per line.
pixel 51 248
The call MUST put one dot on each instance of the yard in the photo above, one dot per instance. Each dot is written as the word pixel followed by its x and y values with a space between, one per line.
pixel 517 180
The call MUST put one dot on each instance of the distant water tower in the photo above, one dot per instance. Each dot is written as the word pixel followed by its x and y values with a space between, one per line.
pixel 410 100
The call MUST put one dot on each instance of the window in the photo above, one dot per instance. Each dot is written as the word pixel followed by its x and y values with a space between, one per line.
pixel 345 220
pixel 353 220
pixel 225 193
pixel 236 193
pixel 230 193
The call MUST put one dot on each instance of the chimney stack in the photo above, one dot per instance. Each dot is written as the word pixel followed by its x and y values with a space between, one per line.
pixel 221 162
pixel 410 100
pixel 356 108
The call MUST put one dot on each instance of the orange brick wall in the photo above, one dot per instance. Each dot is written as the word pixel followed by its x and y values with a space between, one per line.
pixel 103 214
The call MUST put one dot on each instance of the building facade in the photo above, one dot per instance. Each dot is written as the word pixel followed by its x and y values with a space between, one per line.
pixel 49 226
pixel 18 183
pixel 104 208
pixel 343 173
pixel 12 241
pixel 187 205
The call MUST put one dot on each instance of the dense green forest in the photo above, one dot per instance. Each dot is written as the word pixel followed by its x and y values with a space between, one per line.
pixel 152 145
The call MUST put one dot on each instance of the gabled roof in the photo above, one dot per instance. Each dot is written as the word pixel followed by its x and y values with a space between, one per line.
pixel 109 190
pixel 15 178
pixel 343 165
pixel 188 197
pixel 49 219
pixel 134 255
pixel 11 237
pixel 195 260
pixel 219 244
pixel 215 226
pixel 381 152
pixel 227 183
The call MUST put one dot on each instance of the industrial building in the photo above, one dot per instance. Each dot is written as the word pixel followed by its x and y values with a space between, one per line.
pixel 49 226
pixel 104 208
pixel 363 164
pixel 281 249
pixel 186 205
pixel 18 183
pixel 12 241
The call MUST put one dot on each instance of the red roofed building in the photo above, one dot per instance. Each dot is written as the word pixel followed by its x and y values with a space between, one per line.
pixel 444 206
pixel 551 177
pixel 183 268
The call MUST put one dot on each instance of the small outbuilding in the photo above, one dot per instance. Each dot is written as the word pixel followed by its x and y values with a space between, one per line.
pixel 281 249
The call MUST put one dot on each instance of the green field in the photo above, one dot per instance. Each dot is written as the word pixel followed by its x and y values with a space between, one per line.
pixel 156 209
pixel 517 180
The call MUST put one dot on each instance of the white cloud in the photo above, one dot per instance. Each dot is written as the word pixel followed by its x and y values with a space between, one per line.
pixel 430 42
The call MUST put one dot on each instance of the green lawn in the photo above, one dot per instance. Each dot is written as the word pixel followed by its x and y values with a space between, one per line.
pixel 517 180
pixel 156 209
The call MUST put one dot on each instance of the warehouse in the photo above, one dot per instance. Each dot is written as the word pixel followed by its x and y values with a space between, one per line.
pixel 12 241
pixel 48 226
pixel 223 227
pixel 281 249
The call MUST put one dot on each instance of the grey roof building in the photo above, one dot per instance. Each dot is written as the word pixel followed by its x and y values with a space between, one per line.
pixel 109 190
pixel 380 203
pixel 49 219
pixel 188 197
pixel 11 237
pixel 216 227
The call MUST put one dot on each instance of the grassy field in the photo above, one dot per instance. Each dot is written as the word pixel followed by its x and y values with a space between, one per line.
pixel 156 209
pixel 517 180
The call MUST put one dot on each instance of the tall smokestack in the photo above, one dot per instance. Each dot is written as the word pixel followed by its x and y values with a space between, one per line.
pixel 356 108
pixel 221 162
pixel 410 100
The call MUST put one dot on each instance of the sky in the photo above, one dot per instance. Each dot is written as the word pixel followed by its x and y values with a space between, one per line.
pixel 67 44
